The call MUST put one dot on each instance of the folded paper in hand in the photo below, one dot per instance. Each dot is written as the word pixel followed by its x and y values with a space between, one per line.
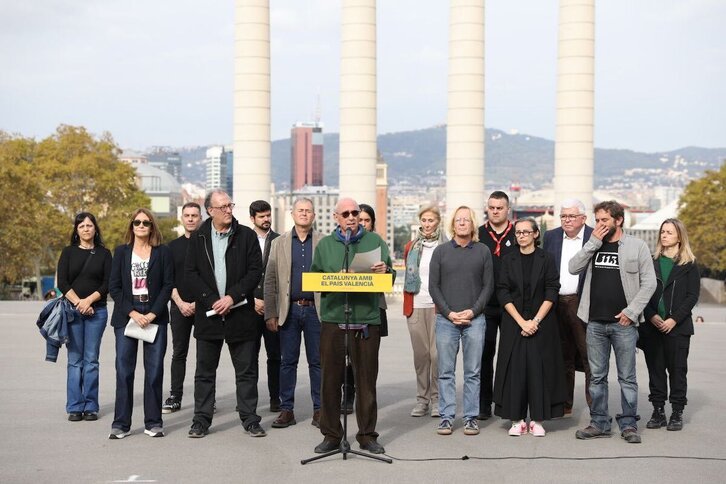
pixel 212 312
pixel 148 334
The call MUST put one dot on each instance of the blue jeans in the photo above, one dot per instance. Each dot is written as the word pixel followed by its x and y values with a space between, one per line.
pixel 126 352
pixel 600 337
pixel 84 344
pixel 300 319
pixel 448 336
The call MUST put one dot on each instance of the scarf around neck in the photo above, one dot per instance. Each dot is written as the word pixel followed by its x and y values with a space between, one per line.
pixel 412 283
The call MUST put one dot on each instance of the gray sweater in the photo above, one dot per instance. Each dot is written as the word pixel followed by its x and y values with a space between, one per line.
pixel 636 273
pixel 461 277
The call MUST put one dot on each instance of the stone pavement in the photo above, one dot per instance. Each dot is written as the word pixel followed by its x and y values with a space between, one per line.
pixel 38 444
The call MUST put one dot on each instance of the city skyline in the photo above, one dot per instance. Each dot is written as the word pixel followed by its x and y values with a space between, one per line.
pixel 162 74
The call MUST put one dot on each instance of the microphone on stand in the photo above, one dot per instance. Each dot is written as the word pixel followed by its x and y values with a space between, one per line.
pixel 348 234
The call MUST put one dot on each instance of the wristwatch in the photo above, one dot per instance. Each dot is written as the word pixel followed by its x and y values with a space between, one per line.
pixel 536 320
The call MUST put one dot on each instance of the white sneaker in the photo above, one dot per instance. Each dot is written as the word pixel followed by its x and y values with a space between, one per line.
pixel 518 428
pixel 536 429
pixel 154 432
pixel 420 410
pixel 118 434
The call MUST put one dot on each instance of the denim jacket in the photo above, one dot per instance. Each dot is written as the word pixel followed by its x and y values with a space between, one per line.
pixel 53 325
pixel 636 274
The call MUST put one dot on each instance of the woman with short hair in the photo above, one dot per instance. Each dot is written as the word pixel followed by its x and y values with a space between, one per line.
pixel 142 279
pixel 665 336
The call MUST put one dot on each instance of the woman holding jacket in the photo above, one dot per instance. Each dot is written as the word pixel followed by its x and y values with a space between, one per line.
pixel 142 278
pixel 665 336
pixel 84 268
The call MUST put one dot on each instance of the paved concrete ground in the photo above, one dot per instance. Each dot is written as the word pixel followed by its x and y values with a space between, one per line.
pixel 38 444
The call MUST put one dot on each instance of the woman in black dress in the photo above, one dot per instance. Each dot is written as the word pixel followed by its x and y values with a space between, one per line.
pixel 530 375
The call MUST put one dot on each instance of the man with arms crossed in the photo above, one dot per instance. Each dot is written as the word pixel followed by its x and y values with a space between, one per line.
pixel 619 280
pixel 563 243
pixel 290 311
pixel 182 308
pixel 498 235
pixel 261 217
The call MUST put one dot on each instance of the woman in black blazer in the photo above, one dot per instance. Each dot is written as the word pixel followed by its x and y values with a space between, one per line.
pixel 665 337
pixel 142 278
pixel 530 371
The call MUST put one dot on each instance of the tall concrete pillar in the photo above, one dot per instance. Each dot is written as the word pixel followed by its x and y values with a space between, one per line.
pixel 574 152
pixel 358 121
pixel 252 180
pixel 465 118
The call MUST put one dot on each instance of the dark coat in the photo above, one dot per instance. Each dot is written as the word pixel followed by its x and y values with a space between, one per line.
pixel 159 281
pixel 260 289
pixel 553 245
pixel 545 285
pixel 243 261
pixel 680 294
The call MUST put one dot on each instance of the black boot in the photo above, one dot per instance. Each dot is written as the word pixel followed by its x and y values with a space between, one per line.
pixel 676 421
pixel 658 419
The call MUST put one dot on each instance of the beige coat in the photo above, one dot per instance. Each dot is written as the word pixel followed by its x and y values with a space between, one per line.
pixel 277 277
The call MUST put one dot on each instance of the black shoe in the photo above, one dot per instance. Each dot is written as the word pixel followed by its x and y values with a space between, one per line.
pixel 75 417
pixel 90 416
pixel 485 412
pixel 171 405
pixel 197 431
pixel 631 436
pixel 255 430
pixel 658 419
pixel 274 405
pixel 326 446
pixel 373 447
pixel 676 421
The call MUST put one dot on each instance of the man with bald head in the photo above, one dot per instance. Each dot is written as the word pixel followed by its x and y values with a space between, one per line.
pixel 364 339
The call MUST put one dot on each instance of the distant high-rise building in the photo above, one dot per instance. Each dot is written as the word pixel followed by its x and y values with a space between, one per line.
pixel 229 161
pixel 306 155
pixel 166 159
pixel 216 162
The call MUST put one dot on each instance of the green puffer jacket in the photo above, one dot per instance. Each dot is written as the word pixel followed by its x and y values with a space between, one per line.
pixel 329 258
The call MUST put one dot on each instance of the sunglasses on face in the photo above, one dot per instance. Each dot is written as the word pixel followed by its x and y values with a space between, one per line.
pixel 145 223
pixel 348 213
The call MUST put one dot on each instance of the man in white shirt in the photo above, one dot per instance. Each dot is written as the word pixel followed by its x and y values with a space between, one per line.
pixel 563 243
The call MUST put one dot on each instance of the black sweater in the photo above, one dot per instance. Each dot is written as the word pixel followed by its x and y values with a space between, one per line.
pixel 94 277
pixel 680 294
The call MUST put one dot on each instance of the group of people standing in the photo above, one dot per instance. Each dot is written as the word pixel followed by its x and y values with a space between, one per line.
pixel 555 309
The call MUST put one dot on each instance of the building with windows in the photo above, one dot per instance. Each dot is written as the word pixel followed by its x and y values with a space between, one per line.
pixel 306 155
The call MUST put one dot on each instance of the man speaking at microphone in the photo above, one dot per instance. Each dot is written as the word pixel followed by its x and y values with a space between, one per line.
pixel 364 338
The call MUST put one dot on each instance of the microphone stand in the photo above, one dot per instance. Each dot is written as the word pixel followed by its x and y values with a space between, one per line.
pixel 344 447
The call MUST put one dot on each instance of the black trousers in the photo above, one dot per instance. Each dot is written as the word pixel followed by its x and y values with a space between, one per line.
pixel 574 347
pixel 486 388
pixel 244 357
pixel 272 348
pixel 181 332
pixel 667 359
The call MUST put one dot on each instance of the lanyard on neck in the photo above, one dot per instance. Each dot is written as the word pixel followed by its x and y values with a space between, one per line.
pixel 498 248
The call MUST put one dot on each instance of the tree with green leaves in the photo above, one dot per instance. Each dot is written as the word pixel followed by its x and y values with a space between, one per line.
pixel 46 183
pixel 702 210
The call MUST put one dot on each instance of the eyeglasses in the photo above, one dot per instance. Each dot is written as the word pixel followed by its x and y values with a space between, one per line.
pixel 462 220
pixel 224 208
pixel 570 217
pixel 145 223
pixel 520 233
pixel 348 213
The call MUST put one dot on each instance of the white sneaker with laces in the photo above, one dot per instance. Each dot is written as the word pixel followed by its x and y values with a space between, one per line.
pixel 154 432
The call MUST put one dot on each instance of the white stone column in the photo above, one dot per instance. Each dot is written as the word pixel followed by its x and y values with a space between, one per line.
pixel 358 116
pixel 252 180
pixel 465 118
pixel 574 152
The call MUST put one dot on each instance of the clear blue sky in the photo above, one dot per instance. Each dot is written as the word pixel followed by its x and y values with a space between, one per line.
pixel 160 72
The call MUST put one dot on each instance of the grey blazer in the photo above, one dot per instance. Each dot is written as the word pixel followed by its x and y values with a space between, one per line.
pixel 277 277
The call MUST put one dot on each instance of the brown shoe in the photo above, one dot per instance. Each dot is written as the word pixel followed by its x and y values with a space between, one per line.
pixel 285 419
pixel 316 419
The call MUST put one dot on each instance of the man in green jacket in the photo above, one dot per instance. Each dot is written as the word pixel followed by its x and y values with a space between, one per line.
pixel 364 339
